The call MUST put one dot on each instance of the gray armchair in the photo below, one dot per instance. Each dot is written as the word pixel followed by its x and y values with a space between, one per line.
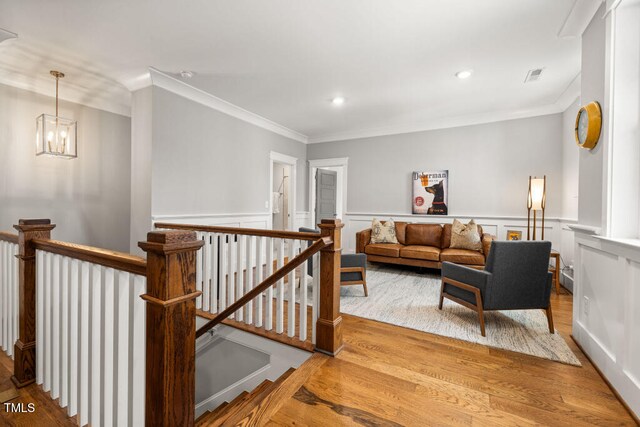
pixel 353 267
pixel 516 277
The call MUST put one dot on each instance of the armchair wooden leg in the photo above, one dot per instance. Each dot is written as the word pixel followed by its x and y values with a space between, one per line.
pixel 480 312
pixel 441 295
pixel 552 330
pixel 364 282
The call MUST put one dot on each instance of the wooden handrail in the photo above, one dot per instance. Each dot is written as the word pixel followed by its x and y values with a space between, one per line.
pixel 9 237
pixel 269 281
pixel 278 234
pixel 113 259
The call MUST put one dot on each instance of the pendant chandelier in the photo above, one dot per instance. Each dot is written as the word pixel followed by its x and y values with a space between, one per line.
pixel 56 136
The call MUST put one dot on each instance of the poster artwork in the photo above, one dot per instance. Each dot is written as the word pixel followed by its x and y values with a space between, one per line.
pixel 430 192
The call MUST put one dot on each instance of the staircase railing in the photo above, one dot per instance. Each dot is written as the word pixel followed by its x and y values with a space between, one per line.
pixel 261 281
pixel 105 331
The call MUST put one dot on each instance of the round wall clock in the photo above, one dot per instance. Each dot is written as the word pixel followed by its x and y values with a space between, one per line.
pixel 588 125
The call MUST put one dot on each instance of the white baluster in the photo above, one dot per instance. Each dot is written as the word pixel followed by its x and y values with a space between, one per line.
pixel 199 271
pixel 303 298
pixel 108 332
pixel 241 272
pixel 96 345
pixel 213 306
pixel 138 352
pixel 55 328
pixel 280 290
pixel 74 335
pixel 249 277
pixel 16 298
pixel 123 295
pixel 40 343
pixel 260 260
pixel 206 283
pixel 231 294
pixel 48 277
pixel 269 294
pixel 4 294
pixel 64 329
pixel 85 343
pixel 222 272
pixel 291 308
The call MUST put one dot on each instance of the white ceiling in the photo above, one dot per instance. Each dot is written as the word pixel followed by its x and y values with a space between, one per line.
pixel 393 61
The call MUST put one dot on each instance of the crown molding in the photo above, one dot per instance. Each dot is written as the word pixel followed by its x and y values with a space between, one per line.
pixel 170 83
pixel 578 18
pixel 445 123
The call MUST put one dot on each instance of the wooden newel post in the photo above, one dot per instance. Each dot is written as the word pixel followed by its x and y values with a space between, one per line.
pixel 329 325
pixel 24 365
pixel 171 327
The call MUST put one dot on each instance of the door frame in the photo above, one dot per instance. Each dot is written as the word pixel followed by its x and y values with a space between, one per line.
pixel 275 157
pixel 341 185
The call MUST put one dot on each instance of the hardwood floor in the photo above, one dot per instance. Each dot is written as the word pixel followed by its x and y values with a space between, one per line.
pixel 389 376
pixel 47 412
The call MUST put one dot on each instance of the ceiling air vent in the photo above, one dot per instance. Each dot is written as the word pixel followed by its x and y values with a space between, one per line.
pixel 533 75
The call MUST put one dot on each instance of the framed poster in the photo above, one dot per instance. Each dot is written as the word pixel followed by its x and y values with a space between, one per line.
pixel 430 193
pixel 514 235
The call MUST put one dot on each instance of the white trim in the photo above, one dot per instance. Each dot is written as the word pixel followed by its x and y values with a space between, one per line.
pixel 210 215
pixel 417 217
pixel 579 18
pixel 342 162
pixel 441 123
pixel 283 158
pixel 275 157
pixel 172 84
pixel 585 229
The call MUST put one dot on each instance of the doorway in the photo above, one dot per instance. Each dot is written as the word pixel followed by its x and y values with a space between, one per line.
pixel 282 191
pixel 280 203
pixel 337 166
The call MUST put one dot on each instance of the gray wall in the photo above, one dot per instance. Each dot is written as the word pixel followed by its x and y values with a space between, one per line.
pixel 570 162
pixel 592 89
pixel 141 141
pixel 206 162
pixel 88 197
pixel 489 165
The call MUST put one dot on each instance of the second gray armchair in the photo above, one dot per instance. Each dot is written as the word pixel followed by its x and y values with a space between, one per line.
pixel 516 277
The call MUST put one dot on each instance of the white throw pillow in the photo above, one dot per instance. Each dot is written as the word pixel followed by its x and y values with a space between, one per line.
pixel 465 236
pixel 383 233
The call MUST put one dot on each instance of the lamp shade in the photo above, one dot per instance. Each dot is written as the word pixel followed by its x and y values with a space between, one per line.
pixel 537 193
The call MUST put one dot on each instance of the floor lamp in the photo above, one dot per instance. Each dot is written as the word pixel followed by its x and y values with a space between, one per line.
pixel 536 201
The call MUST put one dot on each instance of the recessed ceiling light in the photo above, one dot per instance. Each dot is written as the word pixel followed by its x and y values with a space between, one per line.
pixel 464 74
pixel 338 100
pixel 186 74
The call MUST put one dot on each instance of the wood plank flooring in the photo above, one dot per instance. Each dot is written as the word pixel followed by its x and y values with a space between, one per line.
pixel 389 376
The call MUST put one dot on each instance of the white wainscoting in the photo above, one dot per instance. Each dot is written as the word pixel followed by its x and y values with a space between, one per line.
pixel 606 319
pixel 260 220
pixel 243 220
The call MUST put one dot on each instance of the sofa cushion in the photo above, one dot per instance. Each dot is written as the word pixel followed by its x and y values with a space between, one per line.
pixel 383 232
pixel 446 235
pixel 465 236
pixel 424 234
pixel 384 249
pixel 401 232
pixel 429 253
pixel 462 256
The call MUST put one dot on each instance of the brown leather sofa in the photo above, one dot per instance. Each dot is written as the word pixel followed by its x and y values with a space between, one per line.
pixel 422 245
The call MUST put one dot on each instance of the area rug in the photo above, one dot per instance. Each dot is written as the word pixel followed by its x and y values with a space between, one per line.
pixel 407 298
